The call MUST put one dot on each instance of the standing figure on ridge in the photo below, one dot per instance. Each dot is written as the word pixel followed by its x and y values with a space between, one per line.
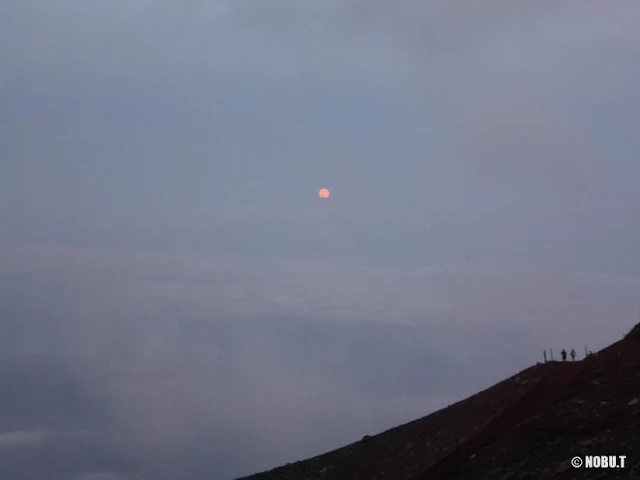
pixel 573 355
pixel 564 355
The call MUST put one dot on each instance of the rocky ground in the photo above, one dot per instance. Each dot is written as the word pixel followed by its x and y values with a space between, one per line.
pixel 529 426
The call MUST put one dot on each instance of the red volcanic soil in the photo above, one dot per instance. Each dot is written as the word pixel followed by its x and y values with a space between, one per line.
pixel 528 426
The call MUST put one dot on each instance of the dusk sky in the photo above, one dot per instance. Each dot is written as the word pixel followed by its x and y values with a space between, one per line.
pixel 164 250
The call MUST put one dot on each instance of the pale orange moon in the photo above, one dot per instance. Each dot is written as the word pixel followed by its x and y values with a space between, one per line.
pixel 324 193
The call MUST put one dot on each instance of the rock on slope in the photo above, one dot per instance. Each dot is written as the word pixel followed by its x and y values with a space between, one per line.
pixel 528 426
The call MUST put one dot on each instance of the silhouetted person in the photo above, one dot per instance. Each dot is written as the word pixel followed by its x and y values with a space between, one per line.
pixel 564 355
pixel 573 355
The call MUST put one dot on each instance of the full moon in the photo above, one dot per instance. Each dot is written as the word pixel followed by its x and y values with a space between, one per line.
pixel 324 193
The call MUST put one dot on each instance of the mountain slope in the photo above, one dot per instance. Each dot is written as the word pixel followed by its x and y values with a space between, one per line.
pixel 527 426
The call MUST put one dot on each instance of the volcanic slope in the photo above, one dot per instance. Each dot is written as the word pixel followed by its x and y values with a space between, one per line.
pixel 527 426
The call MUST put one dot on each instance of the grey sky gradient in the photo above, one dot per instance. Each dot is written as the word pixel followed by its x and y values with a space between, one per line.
pixel 163 250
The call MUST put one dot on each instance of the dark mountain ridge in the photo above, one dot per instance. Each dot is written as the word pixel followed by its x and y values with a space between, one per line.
pixel 528 426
